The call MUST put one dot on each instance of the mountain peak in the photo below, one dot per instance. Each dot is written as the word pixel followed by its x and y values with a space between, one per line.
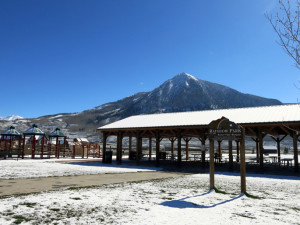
pixel 185 76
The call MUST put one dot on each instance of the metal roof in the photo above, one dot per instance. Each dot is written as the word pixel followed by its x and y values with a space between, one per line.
pixel 11 132
pixel 57 133
pixel 34 130
pixel 251 115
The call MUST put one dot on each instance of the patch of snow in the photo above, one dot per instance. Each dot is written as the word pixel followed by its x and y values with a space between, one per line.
pixel 57 116
pixel 51 167
pixel 11 118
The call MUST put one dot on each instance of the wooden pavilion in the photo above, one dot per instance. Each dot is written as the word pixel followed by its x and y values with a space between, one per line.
pixel 276 121
pixel 34 131
pixel 59 137
pixel 8 140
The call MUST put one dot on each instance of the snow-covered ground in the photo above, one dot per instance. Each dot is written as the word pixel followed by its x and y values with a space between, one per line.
pixel 30 168
pixel 181 200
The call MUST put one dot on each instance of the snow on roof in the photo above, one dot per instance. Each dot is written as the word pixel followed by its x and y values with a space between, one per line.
pixel 265 114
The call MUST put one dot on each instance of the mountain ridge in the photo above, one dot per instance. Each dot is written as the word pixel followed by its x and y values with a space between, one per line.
pixel 181 93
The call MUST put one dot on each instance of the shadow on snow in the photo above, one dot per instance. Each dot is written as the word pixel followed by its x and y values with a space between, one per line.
pixel 182 204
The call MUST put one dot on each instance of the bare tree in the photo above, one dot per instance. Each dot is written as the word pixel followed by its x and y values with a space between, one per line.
pixel 286 23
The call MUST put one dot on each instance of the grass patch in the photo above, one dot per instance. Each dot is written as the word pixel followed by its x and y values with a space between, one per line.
pixel 252 196
pixel 29 204
pixel 20 219
pixel 220 192
pixel 246 216
pixel 55 209
pixel 76 198
pixel 296 209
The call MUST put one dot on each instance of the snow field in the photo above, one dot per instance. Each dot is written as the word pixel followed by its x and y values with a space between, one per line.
pixel 181 200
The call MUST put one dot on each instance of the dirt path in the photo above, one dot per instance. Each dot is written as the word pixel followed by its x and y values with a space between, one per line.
pixel 31 185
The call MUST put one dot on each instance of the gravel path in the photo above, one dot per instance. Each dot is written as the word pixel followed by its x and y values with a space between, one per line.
pixel 33 185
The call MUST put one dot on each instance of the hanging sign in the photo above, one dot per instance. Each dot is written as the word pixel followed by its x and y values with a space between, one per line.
pixel 224 129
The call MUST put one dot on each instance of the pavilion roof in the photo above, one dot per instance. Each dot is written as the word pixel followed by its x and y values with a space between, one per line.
pixel 11 132
pixel 251 115
pixel 34 130
pixel 57 133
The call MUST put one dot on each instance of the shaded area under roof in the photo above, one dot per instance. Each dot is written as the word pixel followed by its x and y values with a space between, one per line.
pixel 34 130
pixel 57 133
pixel 11 132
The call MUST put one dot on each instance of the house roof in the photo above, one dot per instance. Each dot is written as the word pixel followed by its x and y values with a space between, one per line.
pixel 251 115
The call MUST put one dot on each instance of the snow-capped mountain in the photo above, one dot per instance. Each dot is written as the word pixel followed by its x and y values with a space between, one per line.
pixel 12 117
pixel 181 93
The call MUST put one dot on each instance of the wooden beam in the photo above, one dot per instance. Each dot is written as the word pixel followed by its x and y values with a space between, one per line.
pixel 243 163
pixel 237 151
pixel 139 140
pixel 150 148
pixel 187 140
pixel 179 136
pixel 211 165
pixel 230 155
pixel 295 145
pixel 157 139
pixel 261 150
pixel 104 146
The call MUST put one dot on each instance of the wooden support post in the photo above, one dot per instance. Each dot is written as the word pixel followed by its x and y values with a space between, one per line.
pixel 139 146
pixel 42 149
pixel 73 153
pixel 211 165
pixel 119 147
pixel 179 136
pixel 203 152
pixel 187 140
pixel 58 149
pixel 295 145
pixel 65 145
pixel 19 146
pixel 130 144
pixel 261 149
pixel 278 149
pixel 82 151
pixel 157 140
pixel 49 147
pixel 23 150
pixel 230 155
pixel 104 147
pixel 10 144
pixel 172 147
pixel 33 147
pixel 150 148
pixel 87 150
pixel 99 147
pixel 5 147
pixel 257 147
pixel 243 163
pixel 237 151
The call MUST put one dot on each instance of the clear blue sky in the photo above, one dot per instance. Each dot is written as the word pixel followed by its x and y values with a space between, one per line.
pixel 68 55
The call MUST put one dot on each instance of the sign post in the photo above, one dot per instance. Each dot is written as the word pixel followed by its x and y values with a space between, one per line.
pixel 224 129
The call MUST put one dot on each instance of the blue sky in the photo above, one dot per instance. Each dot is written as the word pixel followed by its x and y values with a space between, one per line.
pixel 68 55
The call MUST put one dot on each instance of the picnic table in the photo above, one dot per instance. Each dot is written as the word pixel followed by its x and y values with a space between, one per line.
pixel 196 156
pixel 287 162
